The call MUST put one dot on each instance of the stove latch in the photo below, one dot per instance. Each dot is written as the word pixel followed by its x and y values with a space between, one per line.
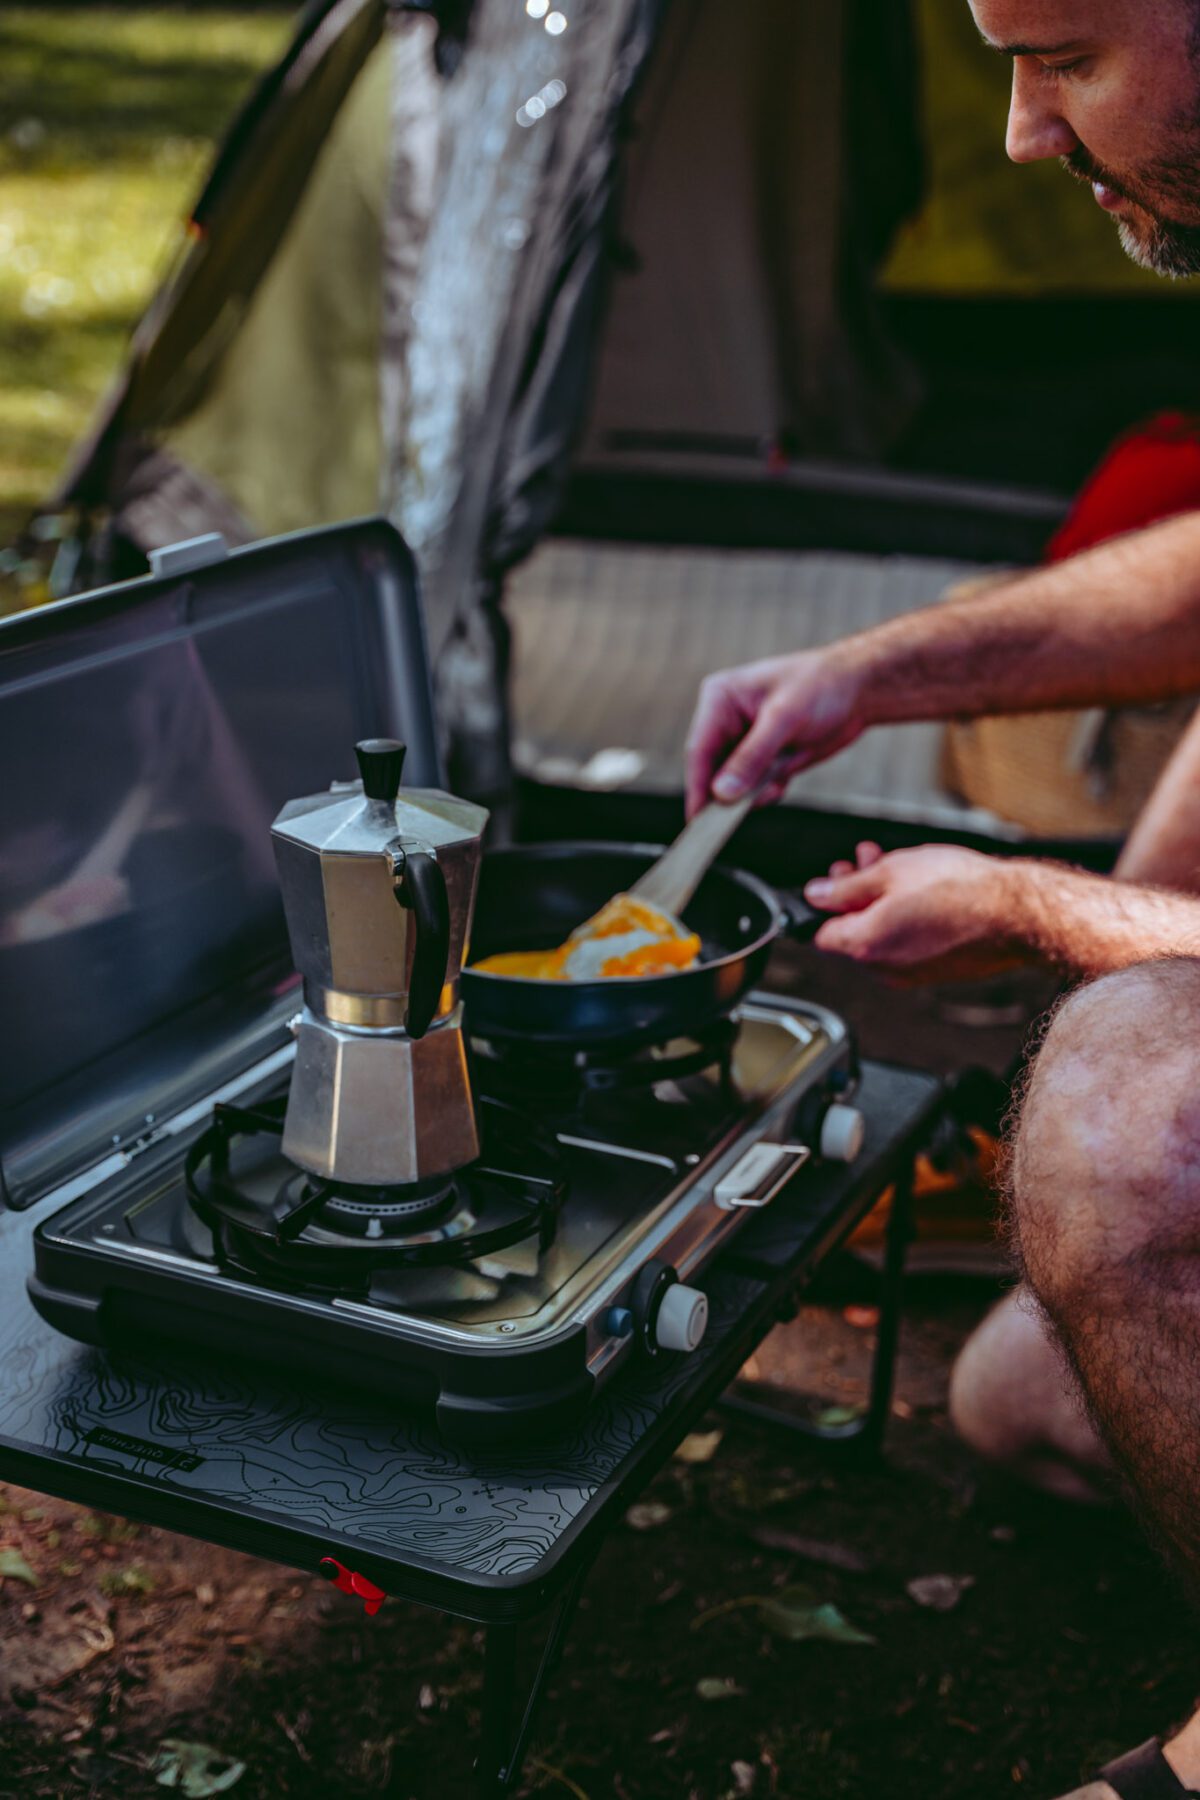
pixel 349 1581
pixel 762 1173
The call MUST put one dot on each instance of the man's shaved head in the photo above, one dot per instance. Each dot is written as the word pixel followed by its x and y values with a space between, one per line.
pixel 1112 89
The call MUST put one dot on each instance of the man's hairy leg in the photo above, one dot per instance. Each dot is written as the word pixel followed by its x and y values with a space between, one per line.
pixel 1011 1396
pixel 1104 1186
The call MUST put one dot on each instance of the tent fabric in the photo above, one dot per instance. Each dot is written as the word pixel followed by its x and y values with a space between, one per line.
pixel 399 275
pixel 290 424
pixel 240 218
pixel 777 150
pixel 495 390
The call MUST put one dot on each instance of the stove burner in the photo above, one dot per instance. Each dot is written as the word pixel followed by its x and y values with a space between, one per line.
pixel 561 1076
pixel 266 1216
pixel 369 1212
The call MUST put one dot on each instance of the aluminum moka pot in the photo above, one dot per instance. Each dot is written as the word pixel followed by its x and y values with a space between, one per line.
pixel 379 890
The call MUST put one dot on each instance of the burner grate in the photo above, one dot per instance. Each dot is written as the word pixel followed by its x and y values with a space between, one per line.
pixel 566 1078
pixel 336 1237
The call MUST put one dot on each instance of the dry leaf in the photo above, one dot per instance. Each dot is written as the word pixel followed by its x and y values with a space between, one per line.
pixel 647 1515
pixel 699 1447
pixel 719 1687
pixel 14 1567
pixel 791 1614
pixel 197 1770
pixel 940 1593
pixel 829 1417
pixel 794 1614
pixel 814 1550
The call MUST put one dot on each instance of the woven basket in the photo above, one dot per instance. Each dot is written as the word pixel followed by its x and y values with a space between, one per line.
pixel 1062 775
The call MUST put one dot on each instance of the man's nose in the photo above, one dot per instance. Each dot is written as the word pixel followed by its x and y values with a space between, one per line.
pixel 1036 128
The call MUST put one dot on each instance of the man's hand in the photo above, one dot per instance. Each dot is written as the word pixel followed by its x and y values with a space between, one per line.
pixel 935 914
pixel 766 721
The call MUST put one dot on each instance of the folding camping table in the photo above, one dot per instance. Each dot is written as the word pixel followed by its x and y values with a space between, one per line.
pixel 235 1456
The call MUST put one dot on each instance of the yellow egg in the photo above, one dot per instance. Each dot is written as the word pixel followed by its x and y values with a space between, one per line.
pixel 651 943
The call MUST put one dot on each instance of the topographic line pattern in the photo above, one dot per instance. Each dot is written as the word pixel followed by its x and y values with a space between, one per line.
pixel 330 1462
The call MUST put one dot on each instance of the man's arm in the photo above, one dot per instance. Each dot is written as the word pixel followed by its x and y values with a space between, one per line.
pixel 1116 626
pixel 943 913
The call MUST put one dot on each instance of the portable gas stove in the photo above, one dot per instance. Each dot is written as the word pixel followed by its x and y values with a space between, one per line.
pixel 489 1230
pixel 503 1296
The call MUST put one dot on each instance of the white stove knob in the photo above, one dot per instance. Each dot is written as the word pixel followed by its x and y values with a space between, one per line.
pixel 682 1318
pixel 843 1131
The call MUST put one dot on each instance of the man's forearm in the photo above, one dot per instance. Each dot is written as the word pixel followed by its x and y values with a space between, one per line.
pixel 1091 925
pixel 1118 625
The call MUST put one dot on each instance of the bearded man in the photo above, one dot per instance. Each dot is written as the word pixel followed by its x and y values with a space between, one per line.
pixel 1104 1183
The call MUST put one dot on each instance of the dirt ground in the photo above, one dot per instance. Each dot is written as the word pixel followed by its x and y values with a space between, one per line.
pixel 1069 1645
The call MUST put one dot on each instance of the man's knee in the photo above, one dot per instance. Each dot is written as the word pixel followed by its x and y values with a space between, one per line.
pixel 1104 1167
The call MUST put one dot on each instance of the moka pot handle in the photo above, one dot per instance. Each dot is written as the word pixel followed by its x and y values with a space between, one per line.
pixel 421 885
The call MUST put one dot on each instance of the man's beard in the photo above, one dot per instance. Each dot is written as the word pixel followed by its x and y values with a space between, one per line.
pixel 1166 245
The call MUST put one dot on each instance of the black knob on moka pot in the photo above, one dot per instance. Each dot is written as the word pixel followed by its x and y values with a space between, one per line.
pixel 381 764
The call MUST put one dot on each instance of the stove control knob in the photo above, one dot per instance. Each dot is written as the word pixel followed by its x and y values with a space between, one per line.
pixel 619 1322
pixel 682 1318
pixel 843 1131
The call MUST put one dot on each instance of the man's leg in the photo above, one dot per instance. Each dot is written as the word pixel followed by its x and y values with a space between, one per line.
pixel 1010 1396
pixel 1014 1399
pixel 1105 1195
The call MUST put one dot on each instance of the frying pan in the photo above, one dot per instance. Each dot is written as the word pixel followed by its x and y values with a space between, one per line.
pixel 533 896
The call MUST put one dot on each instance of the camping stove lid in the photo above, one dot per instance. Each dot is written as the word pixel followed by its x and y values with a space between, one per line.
pixel 149 734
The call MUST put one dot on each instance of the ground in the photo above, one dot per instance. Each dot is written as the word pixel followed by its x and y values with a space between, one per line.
pixel 1069 1645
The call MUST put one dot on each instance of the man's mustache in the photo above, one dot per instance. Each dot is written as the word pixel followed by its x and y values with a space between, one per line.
pixel 1085 168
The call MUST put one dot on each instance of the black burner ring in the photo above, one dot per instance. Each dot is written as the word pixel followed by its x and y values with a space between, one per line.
pixel 395 1208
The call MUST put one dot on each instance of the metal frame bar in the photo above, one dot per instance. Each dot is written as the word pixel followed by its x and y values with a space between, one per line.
pixel 501 1750
pixel 865 1435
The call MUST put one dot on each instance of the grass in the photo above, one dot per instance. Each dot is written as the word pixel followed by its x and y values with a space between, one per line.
pixel 107 123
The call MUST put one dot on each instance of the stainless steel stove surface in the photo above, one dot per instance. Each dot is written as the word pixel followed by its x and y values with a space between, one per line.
pixel 502 1297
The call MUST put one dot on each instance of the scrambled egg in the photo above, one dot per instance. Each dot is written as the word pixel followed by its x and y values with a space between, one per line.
pixel 626 937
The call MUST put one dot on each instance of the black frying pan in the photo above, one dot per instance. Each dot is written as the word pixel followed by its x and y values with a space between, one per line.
pixel 532 898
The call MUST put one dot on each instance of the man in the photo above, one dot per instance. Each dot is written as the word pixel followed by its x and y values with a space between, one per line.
pixel 1105 1164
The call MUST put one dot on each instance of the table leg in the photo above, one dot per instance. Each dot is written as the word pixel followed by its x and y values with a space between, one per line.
pixel 891 1301
pixel 865 1434
pixel 501 1753
pixel 500 1646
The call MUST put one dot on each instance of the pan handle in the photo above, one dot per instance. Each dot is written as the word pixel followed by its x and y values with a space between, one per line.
pixel 802 920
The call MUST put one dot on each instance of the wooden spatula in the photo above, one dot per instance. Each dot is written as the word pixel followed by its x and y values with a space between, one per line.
pixel 674 878
pixel 646 917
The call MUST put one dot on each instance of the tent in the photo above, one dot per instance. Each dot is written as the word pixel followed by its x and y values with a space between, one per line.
pixel 653 270
pixel 393 290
